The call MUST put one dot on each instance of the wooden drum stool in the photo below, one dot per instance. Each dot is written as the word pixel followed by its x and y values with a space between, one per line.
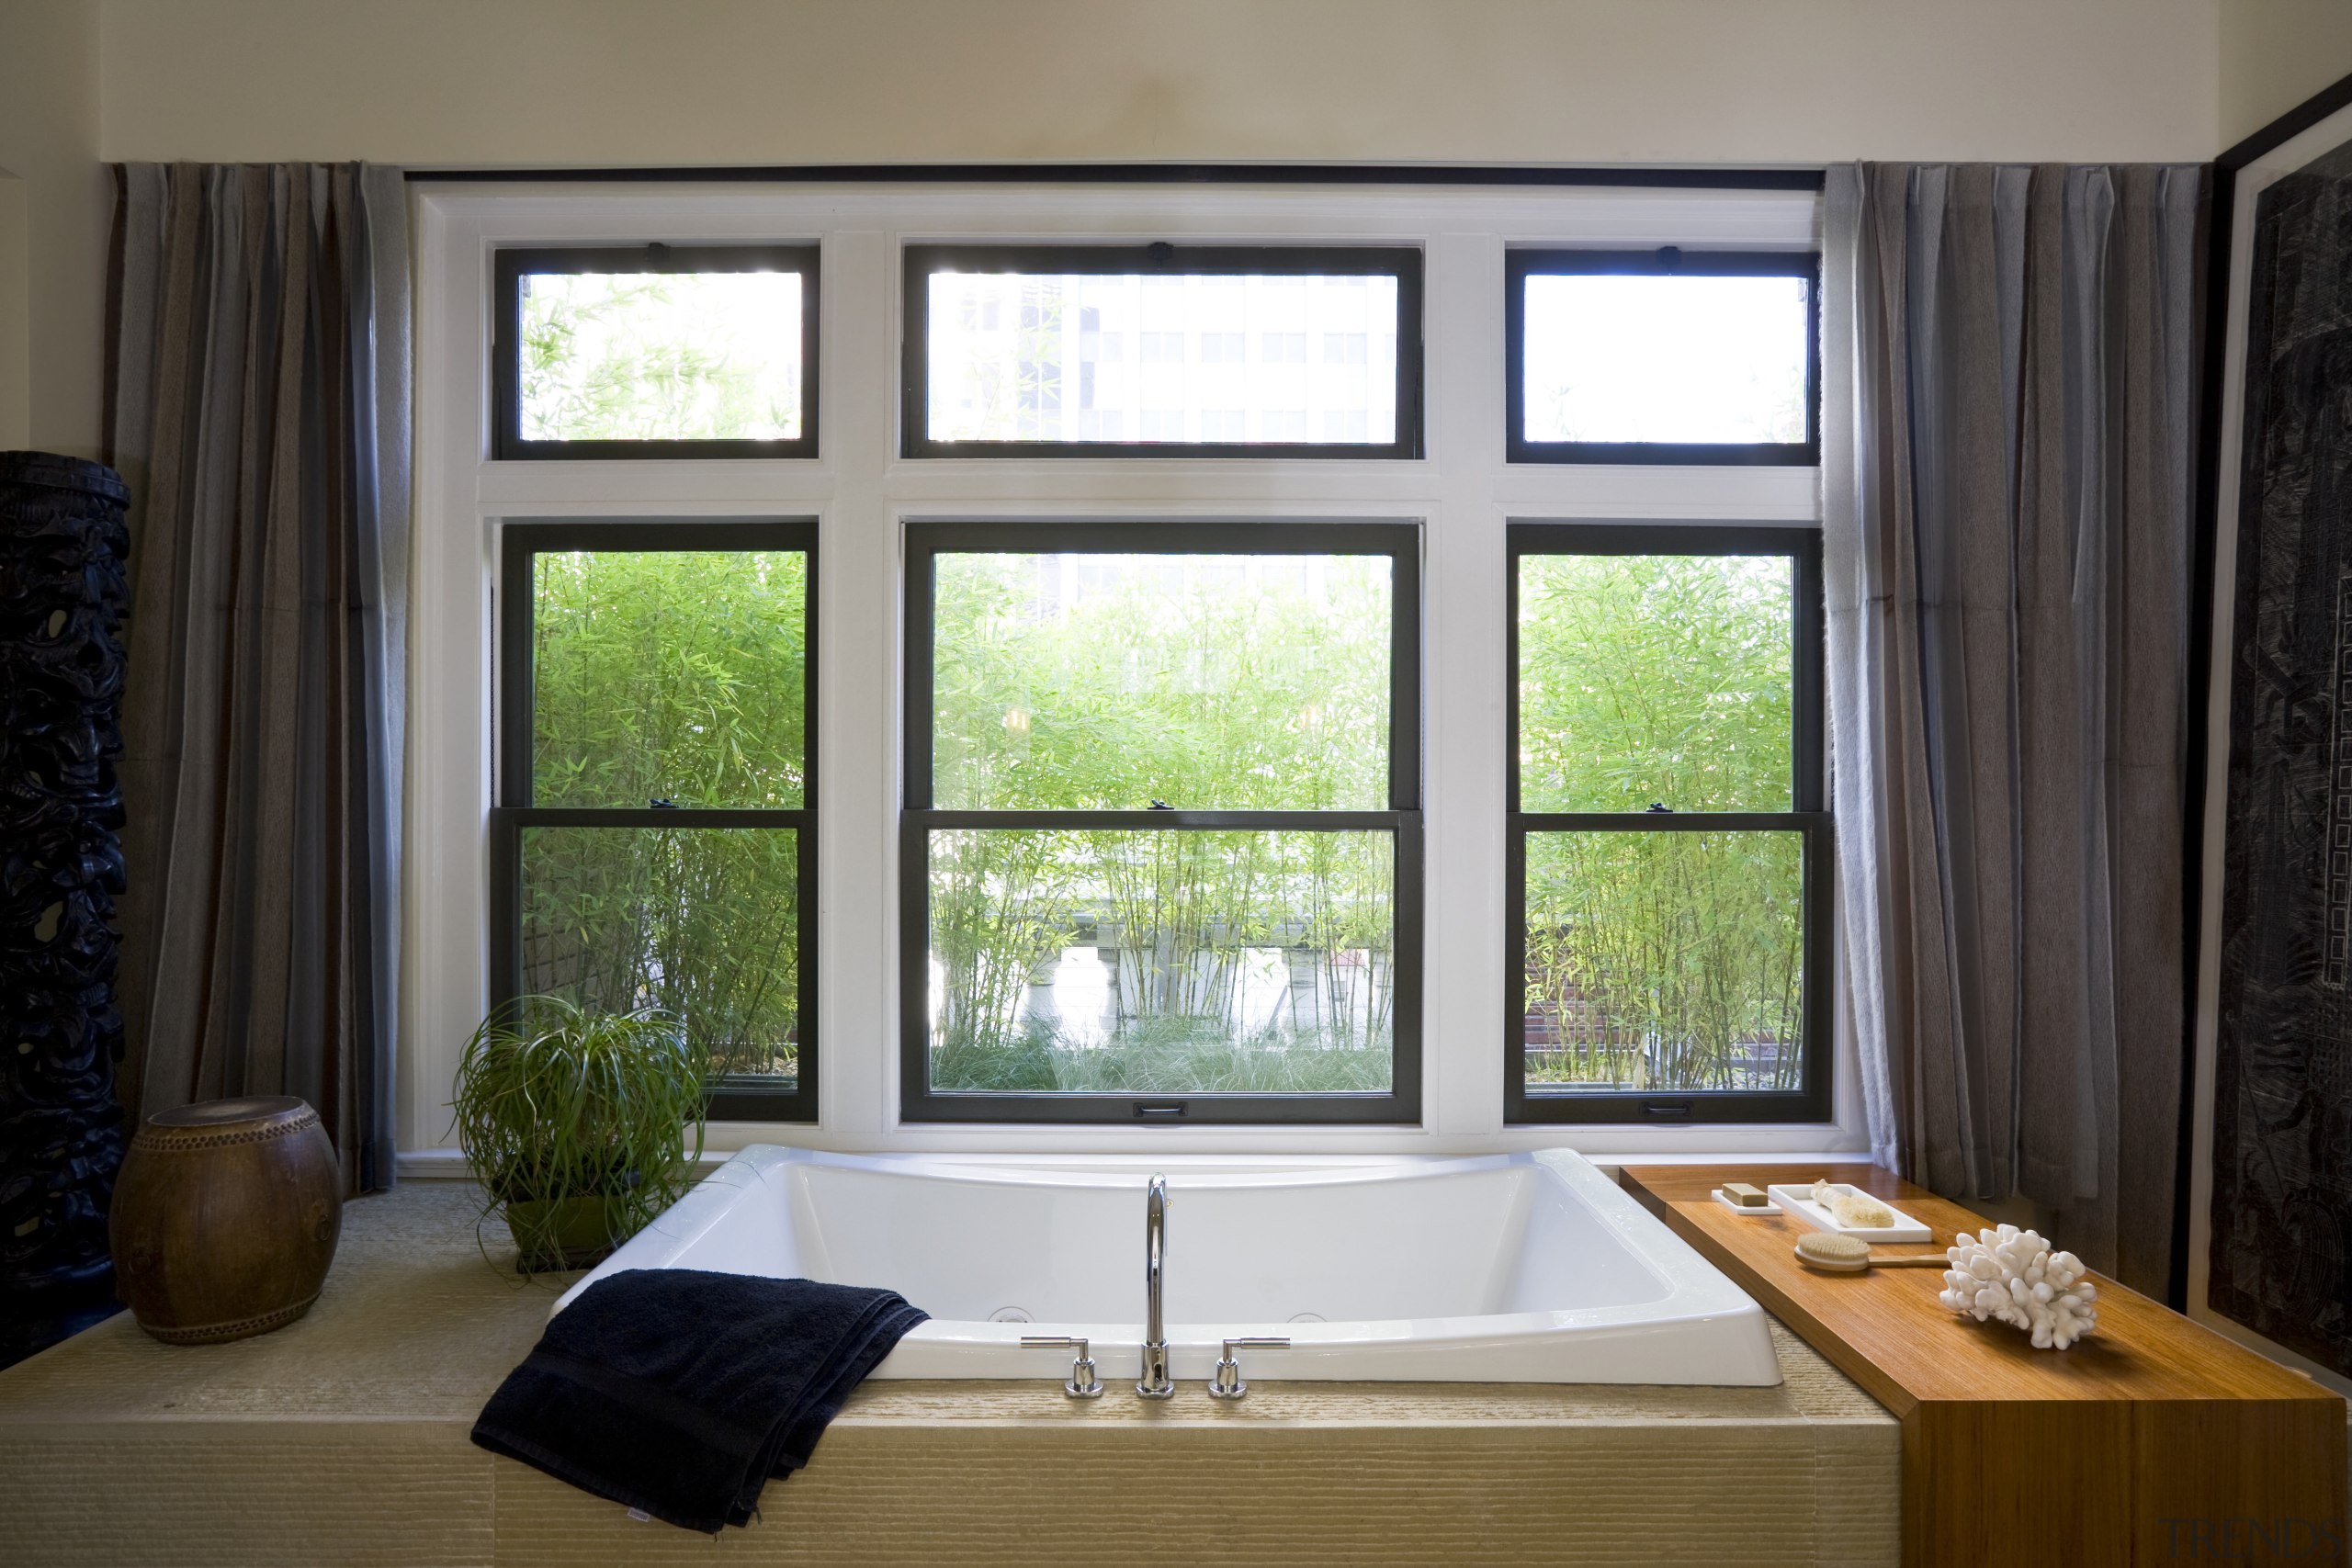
pixel 225 1219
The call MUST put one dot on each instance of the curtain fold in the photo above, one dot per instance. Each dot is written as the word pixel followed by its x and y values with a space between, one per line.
pixel 259 405
pixel 2006 528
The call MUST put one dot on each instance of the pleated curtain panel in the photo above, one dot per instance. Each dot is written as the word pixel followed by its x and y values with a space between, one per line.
pixel 2006 520
pixel 258 405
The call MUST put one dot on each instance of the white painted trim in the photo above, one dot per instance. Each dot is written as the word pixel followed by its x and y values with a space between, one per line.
pixel 859 491
pixel 2252 180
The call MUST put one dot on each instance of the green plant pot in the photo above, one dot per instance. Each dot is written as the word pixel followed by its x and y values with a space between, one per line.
pixel 569 1233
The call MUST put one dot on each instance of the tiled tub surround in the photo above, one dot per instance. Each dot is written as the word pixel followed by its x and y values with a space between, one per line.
pixel 343 1438
pixel 1494 1268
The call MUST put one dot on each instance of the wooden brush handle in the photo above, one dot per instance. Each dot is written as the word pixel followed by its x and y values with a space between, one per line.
pixel 1937 1262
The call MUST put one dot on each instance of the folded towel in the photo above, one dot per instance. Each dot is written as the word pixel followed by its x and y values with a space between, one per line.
pixel 679 1393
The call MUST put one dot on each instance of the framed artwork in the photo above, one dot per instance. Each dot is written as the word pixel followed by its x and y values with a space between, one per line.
pixel 2269 1240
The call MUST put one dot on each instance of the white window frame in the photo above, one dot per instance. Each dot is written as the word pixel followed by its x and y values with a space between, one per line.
pixel 1462 493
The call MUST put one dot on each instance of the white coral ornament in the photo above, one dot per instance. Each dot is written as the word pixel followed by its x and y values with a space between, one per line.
pixel 2015 1276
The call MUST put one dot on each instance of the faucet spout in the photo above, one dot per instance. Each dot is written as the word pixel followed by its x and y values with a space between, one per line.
pixel 1154 1383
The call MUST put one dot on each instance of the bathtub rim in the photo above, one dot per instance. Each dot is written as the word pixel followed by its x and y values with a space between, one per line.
pixel 1696 1293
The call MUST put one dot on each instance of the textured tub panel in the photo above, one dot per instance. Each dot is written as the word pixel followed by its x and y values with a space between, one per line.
pixel 278 1494
pixel 1714 1494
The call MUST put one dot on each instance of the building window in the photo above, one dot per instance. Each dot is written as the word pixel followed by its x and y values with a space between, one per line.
pixel 654 837
pixel 1668 849
pixel 1161 856
pixel 1662 356
pixel 971 393
pixel 653 351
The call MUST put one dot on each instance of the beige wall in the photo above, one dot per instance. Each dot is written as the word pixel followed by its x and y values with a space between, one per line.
pixel 789 81
pixel 2275 54
pixel 54 216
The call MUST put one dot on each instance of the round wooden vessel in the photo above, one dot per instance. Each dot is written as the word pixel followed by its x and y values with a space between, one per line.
pixel 225 1219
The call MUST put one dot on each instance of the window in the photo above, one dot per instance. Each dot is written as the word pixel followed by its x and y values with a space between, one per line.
pixel 656 352
pixel 1077 418
pixel 1668 870
pixel 654 833
pixel 1161 858
pixel 1195 313
pixel 1662 356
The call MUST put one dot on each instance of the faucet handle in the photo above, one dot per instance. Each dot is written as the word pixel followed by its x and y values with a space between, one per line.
pixel 1082 1384
pixel 1228 1384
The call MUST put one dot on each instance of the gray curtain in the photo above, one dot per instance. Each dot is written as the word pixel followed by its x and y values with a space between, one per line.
pixel 2008 432
pixel 258 403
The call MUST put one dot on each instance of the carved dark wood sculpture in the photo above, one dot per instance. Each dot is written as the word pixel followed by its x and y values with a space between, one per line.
pixel 62 544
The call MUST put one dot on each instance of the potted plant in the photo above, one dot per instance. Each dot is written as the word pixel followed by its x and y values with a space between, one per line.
pixel 575 1122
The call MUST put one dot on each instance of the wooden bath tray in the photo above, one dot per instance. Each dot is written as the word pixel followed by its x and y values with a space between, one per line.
pixel 2154 1440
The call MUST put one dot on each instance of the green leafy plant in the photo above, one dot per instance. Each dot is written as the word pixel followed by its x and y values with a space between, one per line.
pixel 575 1122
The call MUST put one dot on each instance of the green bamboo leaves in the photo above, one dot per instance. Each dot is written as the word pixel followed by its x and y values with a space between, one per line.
pixel 671 675
pixel 1108 682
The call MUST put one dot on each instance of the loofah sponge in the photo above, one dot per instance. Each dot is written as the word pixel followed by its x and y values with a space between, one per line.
pixel 1855 1211
pixel 2013 1274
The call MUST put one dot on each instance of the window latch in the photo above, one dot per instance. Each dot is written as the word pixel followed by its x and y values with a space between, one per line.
pixel 1660 808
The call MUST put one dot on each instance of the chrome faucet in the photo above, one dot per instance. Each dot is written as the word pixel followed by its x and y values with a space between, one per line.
pixel 1154 1383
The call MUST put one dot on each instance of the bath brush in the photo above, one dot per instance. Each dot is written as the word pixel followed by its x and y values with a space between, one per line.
pixel 1846 1255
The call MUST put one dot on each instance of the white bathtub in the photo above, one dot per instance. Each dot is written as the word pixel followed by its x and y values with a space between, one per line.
pixel 1495 1269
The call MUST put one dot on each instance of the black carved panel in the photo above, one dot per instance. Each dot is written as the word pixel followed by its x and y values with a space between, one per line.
pixel 62 544
pixel 2281 1260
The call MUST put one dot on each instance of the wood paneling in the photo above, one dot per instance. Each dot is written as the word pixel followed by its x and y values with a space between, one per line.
pixel 2118 1450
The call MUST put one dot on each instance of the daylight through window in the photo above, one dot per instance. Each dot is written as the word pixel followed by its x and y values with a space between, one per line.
pixel 1663 357
pixel 1306 352
pixel 656 830
pixel 650 351
pixel 1160 842
pixel 1667 834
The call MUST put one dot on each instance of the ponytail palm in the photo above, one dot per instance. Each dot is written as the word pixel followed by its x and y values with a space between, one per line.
pixel 576 1122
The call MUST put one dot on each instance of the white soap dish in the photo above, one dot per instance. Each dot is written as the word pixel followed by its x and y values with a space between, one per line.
pixel 1798 1201
pixel 1735 1208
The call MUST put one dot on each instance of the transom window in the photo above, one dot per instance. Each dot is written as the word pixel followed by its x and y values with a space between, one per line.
pixel 1668 888
pixel 1662 356
pixel 654 839
pixel 656 351
pixel 1160 854
pixel 1159 351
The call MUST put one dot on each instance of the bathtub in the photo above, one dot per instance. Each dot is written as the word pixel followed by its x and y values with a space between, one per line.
pixel 1493 1268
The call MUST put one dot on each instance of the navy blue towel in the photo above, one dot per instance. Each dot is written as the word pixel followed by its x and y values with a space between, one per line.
pixel 679 1393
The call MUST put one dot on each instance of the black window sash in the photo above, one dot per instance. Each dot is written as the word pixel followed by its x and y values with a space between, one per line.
pixel 1520 264
pixel 744 1098
pixel 1400 262
pixel 509 267
pixel 1807 818
pixel 1401 1104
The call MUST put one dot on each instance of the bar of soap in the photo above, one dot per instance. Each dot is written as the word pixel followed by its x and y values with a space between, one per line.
pixel 1855 1211
pixel 1744 1196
